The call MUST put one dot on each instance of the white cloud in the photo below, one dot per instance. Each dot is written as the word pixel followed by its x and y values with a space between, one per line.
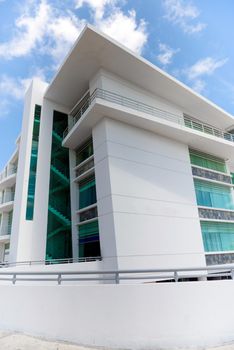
pixel 13 89
pixel 44 28
pixel 199 86
pixel 166 54
pixel 205 66
pixel 184 14
pixel 63 32
pixel 98 6
pixel 30 30
pixel 4 107
pixel 123 27
pixel 48 30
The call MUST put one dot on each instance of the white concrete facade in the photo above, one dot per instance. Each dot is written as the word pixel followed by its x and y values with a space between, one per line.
pixel 156 221
pixel 146 204
pixel 154 316
pixel 141 178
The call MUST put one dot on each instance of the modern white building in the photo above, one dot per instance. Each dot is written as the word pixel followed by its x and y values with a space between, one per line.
pixel 7 193
pixel 119 162
pixel 129 174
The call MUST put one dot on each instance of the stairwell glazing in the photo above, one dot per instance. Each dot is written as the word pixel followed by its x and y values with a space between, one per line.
pixel 59 212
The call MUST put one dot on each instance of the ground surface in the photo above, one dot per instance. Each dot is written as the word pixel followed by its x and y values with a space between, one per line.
pixel 16 341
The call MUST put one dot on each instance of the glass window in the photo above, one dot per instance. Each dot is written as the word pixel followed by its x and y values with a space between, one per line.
pixel 89 245
pixel 212 195
pixel 33 164
pixel 59 245
pixel 207 161
pixel 217 236
pixel 84 152
pixel 87 192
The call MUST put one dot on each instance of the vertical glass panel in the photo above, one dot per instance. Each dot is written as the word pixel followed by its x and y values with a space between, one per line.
pixel 33 164
pixel 6 252
pixel 212 195
pixel 89 245
pixel 87 192
pixel 232 175
pixel 84 152
pixel 217 236
pixel 10 215
pixel 59 211
pixel 207 161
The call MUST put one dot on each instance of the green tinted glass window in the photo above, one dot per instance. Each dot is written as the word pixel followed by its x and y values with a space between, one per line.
pixel 59 211
pixel 217 236
pixel 87 192
pixel 213 195
pixel 84 152
pixel 89 245
pixel 33 164
pixel 207 161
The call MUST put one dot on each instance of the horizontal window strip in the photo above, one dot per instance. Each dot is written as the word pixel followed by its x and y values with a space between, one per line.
pixel 218 236
pixel 86 185
pixel 213 195
pixel 217 226
pixel 211 187
pixel 88 229
pixel 207 161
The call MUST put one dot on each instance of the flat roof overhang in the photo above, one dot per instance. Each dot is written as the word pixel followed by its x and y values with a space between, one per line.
pixel 94 50
pixel 195 139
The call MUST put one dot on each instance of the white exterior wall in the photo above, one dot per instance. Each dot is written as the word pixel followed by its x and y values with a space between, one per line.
pixel 22 230
pixel 74 204
pixel 146 316
pixel 110 82
pixel 146 200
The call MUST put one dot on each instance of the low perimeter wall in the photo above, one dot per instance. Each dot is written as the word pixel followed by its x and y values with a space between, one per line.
pixel 170 315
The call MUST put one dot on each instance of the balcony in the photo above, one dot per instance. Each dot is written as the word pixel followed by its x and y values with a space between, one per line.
pixel 208 174
pixel 85 168
pixel 211 214
pixel 7 172
pixel 6 202
pixel 8 177
pixel 123 101
pixel 219 258
pixel 5 233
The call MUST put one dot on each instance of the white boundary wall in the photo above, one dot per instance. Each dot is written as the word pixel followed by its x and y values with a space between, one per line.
pixel 147 316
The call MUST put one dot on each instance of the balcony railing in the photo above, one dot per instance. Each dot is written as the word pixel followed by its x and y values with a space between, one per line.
pixel 211 175
pixel 7 172
pixel 8 197
pixel 6 230
pixel 216 214
pixel 142 107
pixel 85 166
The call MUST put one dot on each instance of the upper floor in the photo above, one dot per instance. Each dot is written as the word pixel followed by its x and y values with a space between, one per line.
pixel 8 174
pixel 112 81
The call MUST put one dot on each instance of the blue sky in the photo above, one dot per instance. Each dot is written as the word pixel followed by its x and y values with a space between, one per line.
pixel 189 39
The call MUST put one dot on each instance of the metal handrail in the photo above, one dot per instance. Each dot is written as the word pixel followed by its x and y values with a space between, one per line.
pixel 115 276
pixel 6 230
pixel 142 107
pixel 8 172
pixel 8 197
pixel 50 261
